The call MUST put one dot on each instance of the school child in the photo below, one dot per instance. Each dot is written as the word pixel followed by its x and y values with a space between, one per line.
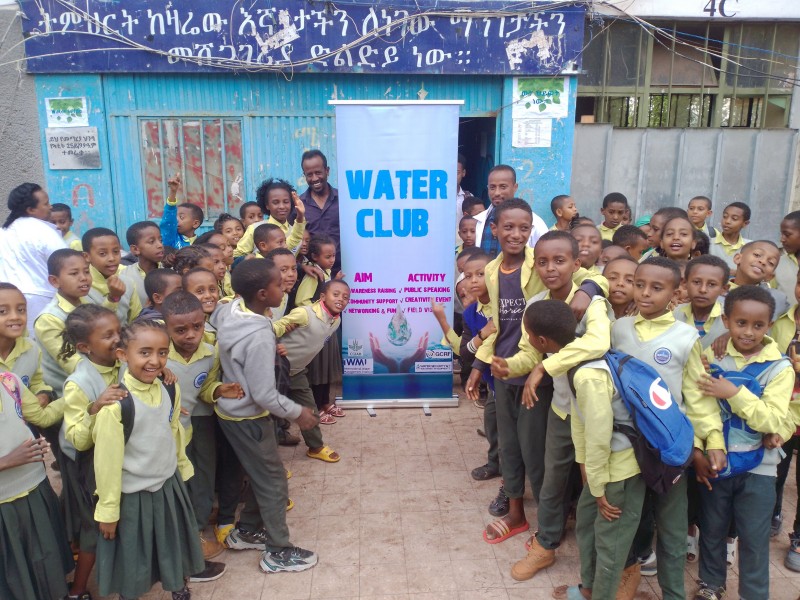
pixel 678 239
pixel 158 284
pixel 557 260
pixel 247 353
pixel 702 244
pixel 249 213
pixel 179 222
pixel 786 272
pixel 699 211
pixel 735 217
pixel 230 227
pixel 466 232
pixel 218 268
pixel 287 265
pixel 610 504
pixel 706 279
pixel 219 241
pixel 620 273
pixel 61 217
pixel 632 238
pixel 609 253
pixel 615 205
pixel 196 366
pixel 673 350
pixel 564 210
pixel 36 553
pixel 747 497
pixel 69 274
pixel 657 223
pixel 144 240
pixel 755 264
pixel 590 244
pixel 276 197
pixel 143 510
pixel 472 206
pixel 103 251
pixel 192 257
pixel 202 284
pixel 314 325
pixel 511 280
pixel 266 237
pixel 91 334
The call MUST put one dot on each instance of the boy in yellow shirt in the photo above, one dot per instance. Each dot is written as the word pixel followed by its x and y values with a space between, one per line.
pixel 615 205
pixel 275 197
pixel 104 253
pixel 729 241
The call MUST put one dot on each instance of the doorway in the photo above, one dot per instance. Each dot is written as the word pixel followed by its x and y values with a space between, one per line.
pixel 477 138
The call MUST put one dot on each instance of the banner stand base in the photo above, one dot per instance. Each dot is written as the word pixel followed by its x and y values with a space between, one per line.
pixel 424 403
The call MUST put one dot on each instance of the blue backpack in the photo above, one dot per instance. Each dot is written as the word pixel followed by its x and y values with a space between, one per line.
pixel 662 436
pixel 744 445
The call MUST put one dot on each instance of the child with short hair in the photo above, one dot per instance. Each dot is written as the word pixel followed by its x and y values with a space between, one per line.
pixel 678 239
pixel 216 239
pixel 249 213
pixel 69 274
pixel 755 264
pixel 735 217
pixel 610 505
pixel 657 223
pixel 699 211
pixel 311 328
pixel 275 197
pixel 143 509
pixel 706 279
pixel 61 217
pixel 179 222
pixel 673 349
pixel 202 284
pixel 632 238
pixel 609 253
pixel 266 237
pixel 218 266
pixel 472 206
pixel 702 244
pixel 104 252
pixel 747 497
pixel 614 208
pixel 786 272
pixel 564 210
pixel 192 257
pixel 158 284
pixel 196 366
pixel 230 227
pixel 590 244
pixel 287 265
pixel 247 353
pixel 620 273
pixel 466 231
pixel 144 240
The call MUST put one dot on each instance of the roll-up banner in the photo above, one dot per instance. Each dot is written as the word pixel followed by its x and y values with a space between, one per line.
pixel 397 199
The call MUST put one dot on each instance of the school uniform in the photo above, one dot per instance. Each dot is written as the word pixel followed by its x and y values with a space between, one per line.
pixel 708 330
pixel 611 471
pixel 226 293
pixel 607 233
pixel 781 301
pixel 294 236
pixel 127 308
pixel 673 350
pixel 140 486
pixel 70 238
pixel 748 497
pixel 593 341
pixel 785 278
pixel 30 519
pixel 133 276
pixel 722 248
pixel 708 230
pixel 48 328
pixel 25 361
pixel 198 379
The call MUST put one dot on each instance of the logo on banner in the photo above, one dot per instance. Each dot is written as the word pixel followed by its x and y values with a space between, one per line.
pixel 438 354
pixel 659 395
pixel 357 366
pixel 355 347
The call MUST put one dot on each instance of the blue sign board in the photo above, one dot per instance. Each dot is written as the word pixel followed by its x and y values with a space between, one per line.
pixel 102 36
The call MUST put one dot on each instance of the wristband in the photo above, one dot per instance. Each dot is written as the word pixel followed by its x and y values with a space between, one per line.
pixel 471 347
pixel 480 335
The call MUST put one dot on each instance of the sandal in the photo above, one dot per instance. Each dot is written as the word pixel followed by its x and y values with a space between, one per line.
pixel 691 548
pixel 289 505
pixel 504 531
pixel 568 592
pixel 325 454
pixel 326 419
pixel 336 411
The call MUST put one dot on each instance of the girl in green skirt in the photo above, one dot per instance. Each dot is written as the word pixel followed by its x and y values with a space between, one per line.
pixel 146 520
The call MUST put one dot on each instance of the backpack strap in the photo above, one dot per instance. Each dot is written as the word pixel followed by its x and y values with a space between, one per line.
pixel 172 392
pixel 128 413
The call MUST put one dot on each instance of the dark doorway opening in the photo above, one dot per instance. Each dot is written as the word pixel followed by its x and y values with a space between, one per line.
pixel 476 142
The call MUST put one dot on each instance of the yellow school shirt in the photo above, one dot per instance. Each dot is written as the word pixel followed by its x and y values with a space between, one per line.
pixel 771 412
pixel 531 285
pixel 727 247
pixel 226 293
pixel 48 329
pixel 607 233
pixel 702 410
pixel 211 383
pixel 785 277
pixel 108 434
pixel 784 329
pixel 22 345
pixel 78 423
pixel 308 287
pixel 594 391
pixel 293 233
pixel 100 283
pixel 686 310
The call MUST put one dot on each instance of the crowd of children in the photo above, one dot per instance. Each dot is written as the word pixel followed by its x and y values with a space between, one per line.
pixel 147 371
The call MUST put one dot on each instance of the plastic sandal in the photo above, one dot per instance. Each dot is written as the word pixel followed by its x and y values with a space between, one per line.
pixel 336 411
pixel 326 419
pixel 326 455
pixel 501 527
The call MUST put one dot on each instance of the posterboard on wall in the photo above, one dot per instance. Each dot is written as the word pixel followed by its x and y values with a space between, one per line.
pixel 397 189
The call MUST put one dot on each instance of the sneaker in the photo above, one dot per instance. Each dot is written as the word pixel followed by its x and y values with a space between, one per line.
pixel 706 592
pixel 792 560
pixel 221 532
pixel 731 554
pixel 211 547
pixel 649 565
pixel 184 594
pixel 211 572
pixel 288 560
pixel 479 403
pixel 538 558
pixel 241 539
pixel 776 525
pixel 629 582
pixel 82 596
pixel 499 506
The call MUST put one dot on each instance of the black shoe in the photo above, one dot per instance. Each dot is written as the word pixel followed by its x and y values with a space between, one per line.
pixel 776 525
pixel 484 473
pixel 211 572
pixel 500 505
pixel 184 594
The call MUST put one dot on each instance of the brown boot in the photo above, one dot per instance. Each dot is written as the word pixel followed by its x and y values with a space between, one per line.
pixel 211 547
pixel 629 582
pixel 538 558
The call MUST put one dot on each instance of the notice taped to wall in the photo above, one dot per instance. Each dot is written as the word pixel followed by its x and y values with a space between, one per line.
pixel 531 133
pixel 73 148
